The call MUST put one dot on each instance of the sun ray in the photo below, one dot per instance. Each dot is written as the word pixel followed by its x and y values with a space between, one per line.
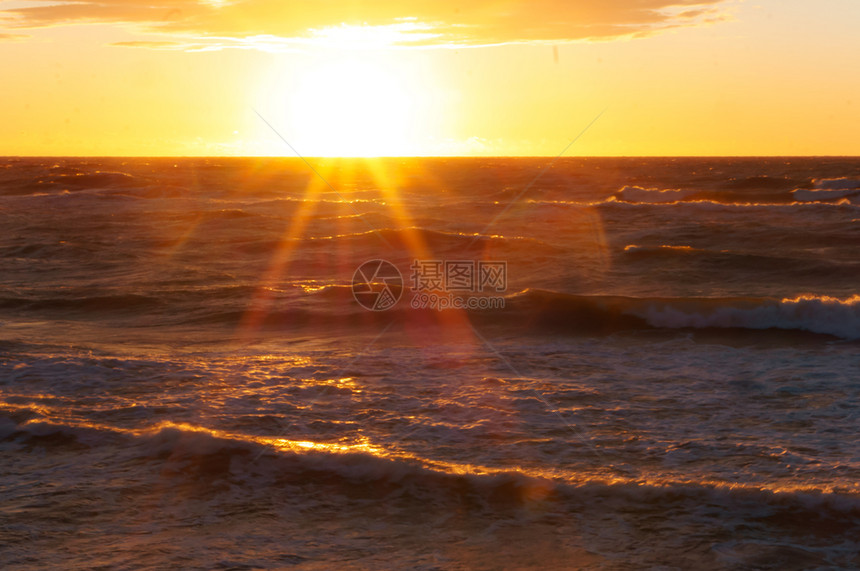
pixel 260 305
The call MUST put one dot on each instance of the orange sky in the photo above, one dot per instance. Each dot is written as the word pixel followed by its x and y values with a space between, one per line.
pixel 433 77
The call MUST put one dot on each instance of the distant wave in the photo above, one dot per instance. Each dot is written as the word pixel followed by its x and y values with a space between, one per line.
pixel 400 238
pixel 653 195
pixel 768 196
pixel 774 260
pixel 85 181
pixel 706 200
pixel 663 249
pixel 737 194
pixel 822 195
pixel 87 304
pixel 760 182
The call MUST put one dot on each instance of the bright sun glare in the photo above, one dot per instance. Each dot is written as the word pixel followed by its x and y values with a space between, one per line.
pixel 351 108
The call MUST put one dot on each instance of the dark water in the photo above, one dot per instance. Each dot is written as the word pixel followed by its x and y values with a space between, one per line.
pixel 666 377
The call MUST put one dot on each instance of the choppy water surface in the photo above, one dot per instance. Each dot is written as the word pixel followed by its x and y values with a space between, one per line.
pixel 186 379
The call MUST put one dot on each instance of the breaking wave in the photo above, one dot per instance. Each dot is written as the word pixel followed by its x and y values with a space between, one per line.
pixel 813 314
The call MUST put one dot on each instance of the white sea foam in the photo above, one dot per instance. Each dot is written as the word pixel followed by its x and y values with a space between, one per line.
pixel 652 195
pixel 812 195
pixel 841 183
pixel 817 314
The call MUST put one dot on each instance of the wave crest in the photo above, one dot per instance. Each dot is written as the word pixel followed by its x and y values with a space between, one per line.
pixel 816 314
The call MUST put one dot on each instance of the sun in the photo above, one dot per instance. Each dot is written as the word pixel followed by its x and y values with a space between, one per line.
pixel 351 108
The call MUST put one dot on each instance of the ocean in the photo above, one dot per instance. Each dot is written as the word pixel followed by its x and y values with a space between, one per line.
pixel 440 363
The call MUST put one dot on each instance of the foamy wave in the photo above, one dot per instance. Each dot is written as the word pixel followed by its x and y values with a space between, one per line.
pixel 663 248
pixel 825 315
pixel 608 314
pixel 697 201
pixel 842 183
pixel 202 474
pixel 718 205
pixel 825 190
pixel 364 461
pixel 812 195
pixel 828 189
pixel 652 195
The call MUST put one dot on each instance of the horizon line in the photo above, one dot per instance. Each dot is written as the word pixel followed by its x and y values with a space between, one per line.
pixel 355 157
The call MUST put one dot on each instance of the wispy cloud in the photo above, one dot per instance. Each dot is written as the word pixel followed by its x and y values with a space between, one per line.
pixel 12 37
pixel 422 22
pixel 190 44
pixel 152 45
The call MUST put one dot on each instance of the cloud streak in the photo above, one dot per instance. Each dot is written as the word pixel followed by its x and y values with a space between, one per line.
pixel 421 22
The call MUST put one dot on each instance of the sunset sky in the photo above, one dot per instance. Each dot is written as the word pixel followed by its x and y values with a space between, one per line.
pixel 432 77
